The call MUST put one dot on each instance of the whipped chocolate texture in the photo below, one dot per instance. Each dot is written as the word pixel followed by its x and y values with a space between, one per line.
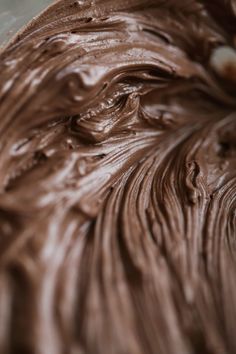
pixel 118 179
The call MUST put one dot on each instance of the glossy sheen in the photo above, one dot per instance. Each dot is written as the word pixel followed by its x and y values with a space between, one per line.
pixel 118 180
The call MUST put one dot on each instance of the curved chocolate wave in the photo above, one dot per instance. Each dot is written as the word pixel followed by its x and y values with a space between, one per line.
pixel 118 179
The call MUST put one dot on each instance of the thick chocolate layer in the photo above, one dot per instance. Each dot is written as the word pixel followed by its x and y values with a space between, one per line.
pixel 118 179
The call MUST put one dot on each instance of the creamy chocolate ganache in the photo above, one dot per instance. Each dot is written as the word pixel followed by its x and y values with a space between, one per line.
pixel 118 179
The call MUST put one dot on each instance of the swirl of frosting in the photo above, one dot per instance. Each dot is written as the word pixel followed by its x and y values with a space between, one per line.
pixel 118 179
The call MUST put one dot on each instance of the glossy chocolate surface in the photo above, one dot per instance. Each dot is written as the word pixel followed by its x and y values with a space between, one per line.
pixel 118 180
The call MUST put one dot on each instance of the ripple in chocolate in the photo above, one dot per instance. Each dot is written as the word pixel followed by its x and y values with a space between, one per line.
pixel 118 179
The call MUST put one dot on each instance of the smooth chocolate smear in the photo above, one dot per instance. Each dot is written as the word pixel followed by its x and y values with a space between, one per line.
pixel 118 180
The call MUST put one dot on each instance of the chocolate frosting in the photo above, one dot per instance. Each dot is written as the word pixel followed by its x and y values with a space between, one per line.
pixel 118 179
